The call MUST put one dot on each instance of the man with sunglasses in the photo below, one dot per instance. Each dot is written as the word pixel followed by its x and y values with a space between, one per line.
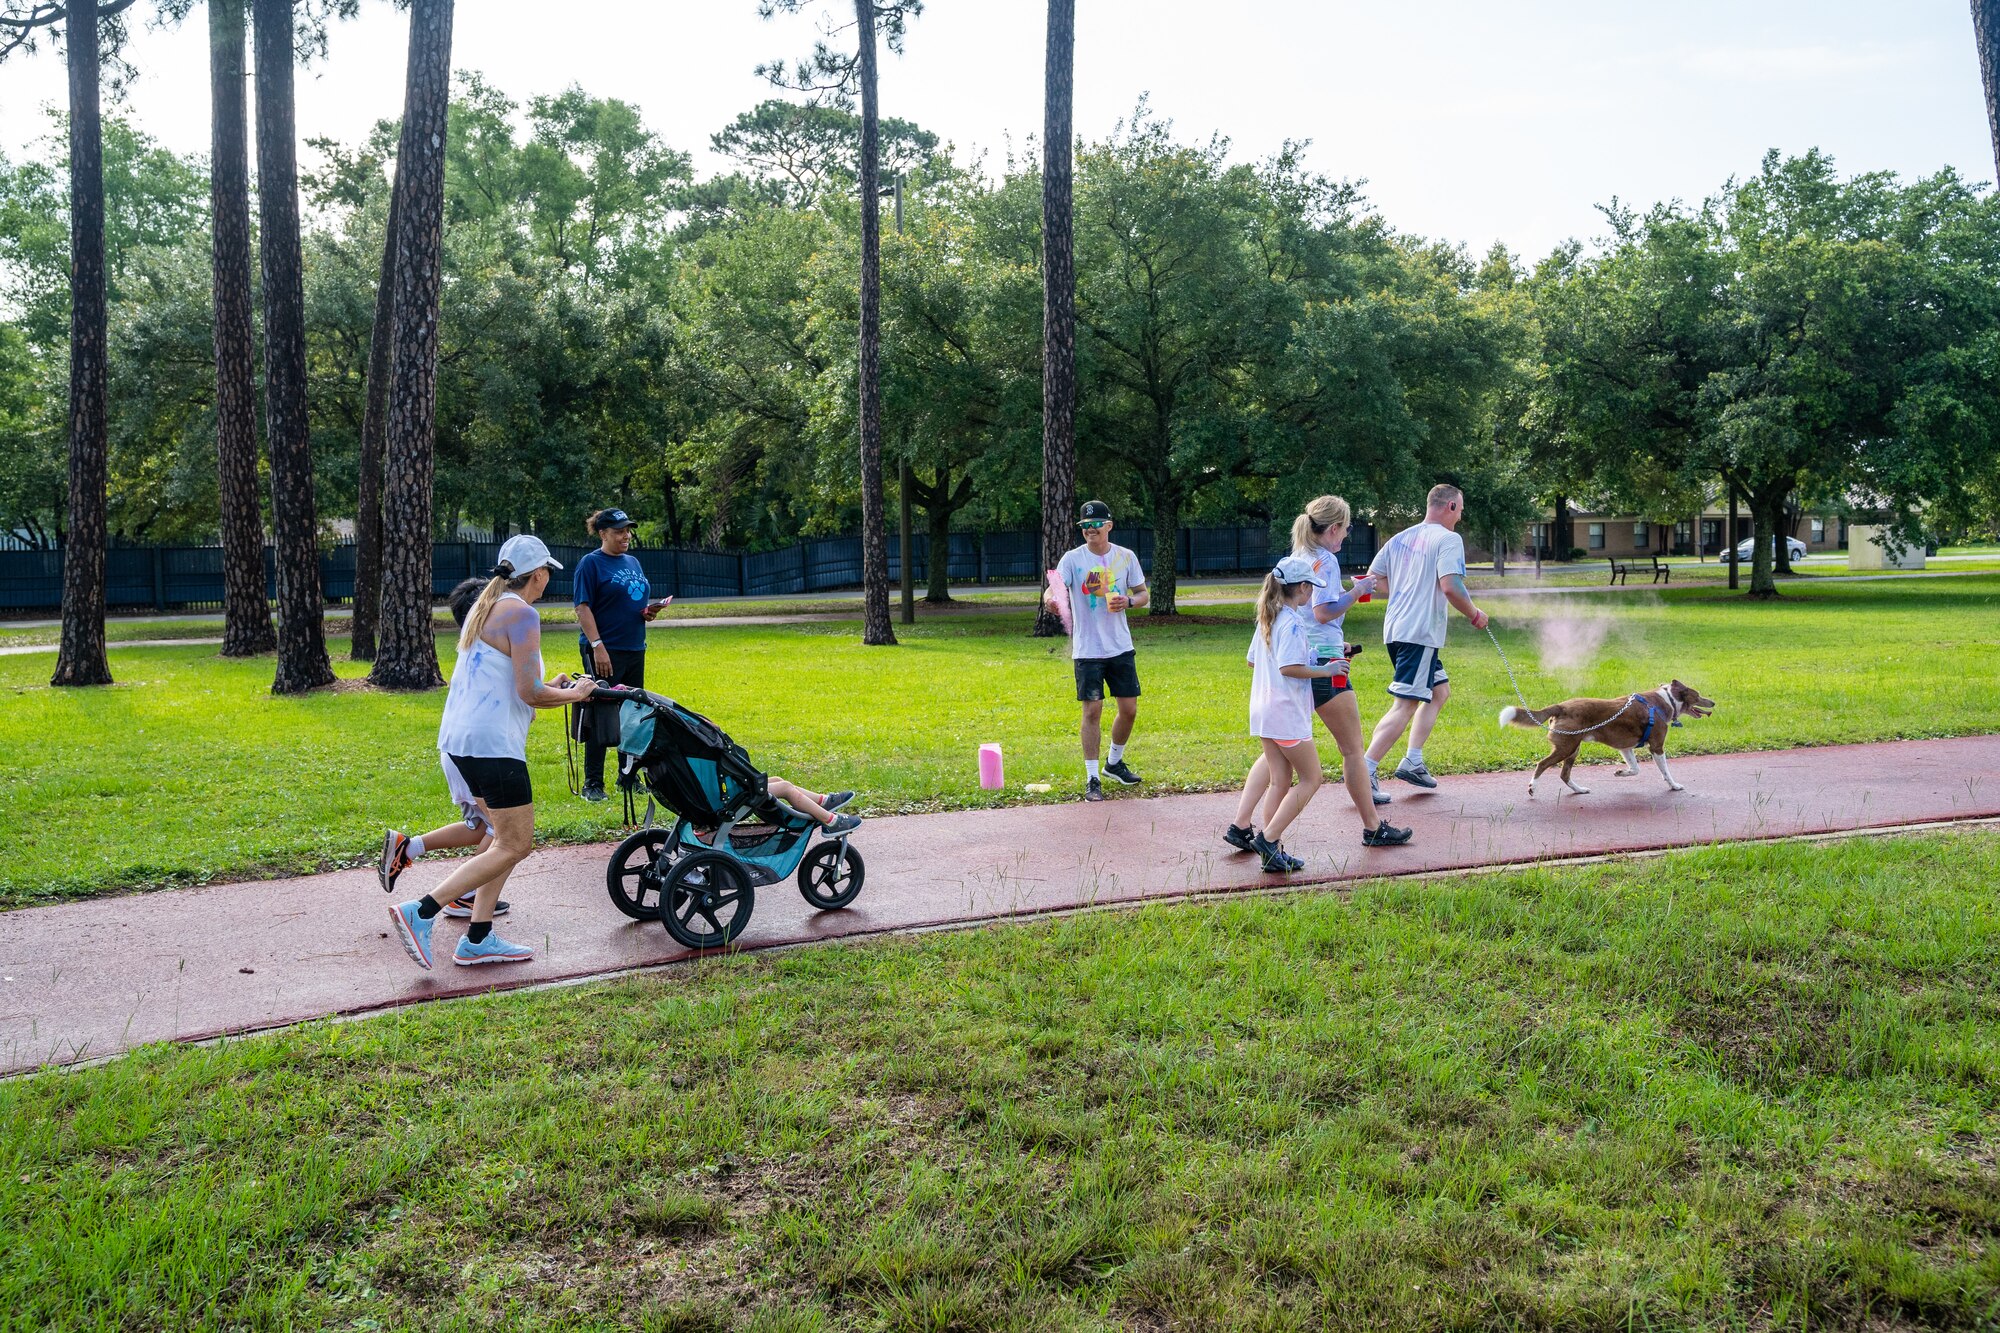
pixel 1103 582
pixel 1424 570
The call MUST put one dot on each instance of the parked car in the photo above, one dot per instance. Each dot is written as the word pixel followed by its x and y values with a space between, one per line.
pixel 1744 550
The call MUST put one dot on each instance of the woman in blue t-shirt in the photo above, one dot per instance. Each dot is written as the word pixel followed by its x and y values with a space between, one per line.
pixel 612 609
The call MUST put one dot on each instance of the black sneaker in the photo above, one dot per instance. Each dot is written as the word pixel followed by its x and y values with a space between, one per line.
pixel 594 792
pixel 1119 772
pixel 1093 790
pixel 835 800
pixel 1276 860
pixel 460 907
pixel 1242 839
pixel 1385 834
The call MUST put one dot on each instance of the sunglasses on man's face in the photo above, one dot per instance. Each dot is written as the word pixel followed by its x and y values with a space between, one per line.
pixel 1091 527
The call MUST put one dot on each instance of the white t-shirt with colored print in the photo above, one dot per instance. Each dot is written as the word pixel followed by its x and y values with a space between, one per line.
pixel 1281 706
pixel 1093 580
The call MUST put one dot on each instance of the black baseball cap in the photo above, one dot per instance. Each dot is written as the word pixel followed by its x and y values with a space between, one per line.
pixel 1095 511
pixel 610 518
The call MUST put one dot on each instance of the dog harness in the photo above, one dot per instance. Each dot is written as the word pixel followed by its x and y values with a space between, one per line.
pixel 1652 716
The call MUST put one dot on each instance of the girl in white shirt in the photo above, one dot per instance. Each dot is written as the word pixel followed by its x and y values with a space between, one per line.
pixel 1282 668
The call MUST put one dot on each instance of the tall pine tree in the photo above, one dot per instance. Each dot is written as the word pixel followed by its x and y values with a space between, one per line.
pixel 302 659
pixel 1058 300
pixel 88 30
pixel 406 656
pixel 246 614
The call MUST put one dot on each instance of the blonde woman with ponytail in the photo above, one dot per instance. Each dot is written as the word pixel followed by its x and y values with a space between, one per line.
pixel 496 686
pixel 1317 535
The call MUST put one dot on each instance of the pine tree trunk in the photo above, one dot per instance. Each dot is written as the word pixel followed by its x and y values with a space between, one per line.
pixel 1058 301
pixel 246 612
pixel 374 429
pixel 1163 579
pixel 1986 34
pixel 302 659
pixel 875 626
pixel 81 659
pixel 406 657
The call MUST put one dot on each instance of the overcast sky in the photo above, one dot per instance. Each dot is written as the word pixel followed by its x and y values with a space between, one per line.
pixel 1470 120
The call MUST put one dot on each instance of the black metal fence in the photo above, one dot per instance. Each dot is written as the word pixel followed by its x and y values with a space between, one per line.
pixel 169 578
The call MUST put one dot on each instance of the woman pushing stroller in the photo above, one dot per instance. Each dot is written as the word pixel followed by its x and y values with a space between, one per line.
pixel 496 686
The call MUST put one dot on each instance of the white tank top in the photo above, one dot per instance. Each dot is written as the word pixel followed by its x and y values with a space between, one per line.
pixel 484 717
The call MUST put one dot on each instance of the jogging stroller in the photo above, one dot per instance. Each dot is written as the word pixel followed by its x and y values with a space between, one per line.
pixel 731 836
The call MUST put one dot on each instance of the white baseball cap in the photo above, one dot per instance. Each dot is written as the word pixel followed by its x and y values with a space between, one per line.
pixel 1298 569
pixel 524 553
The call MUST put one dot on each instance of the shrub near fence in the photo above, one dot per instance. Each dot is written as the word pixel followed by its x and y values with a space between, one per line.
pixel 171 578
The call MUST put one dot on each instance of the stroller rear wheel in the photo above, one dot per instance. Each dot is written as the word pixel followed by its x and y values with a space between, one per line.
pixel 637 871
pixel 830 876
pixel 707 900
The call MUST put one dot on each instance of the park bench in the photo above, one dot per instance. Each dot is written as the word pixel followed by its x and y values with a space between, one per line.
pixel 1622 569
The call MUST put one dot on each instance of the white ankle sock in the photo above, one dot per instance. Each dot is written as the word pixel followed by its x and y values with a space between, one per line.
pixel 1414 757
pixel 416 847
pixel 1117 752
pixel 1090 769
pixel 1373 764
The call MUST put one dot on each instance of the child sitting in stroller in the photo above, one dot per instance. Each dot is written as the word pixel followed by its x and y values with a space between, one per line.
pixel 818 808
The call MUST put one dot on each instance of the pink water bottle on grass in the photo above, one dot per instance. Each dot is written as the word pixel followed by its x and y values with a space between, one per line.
pixel 992 768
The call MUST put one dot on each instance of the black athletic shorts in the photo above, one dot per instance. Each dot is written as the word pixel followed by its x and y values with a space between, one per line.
pixel 1324 690
pixel 501 783
pixel 1418 670
pixel 1097 676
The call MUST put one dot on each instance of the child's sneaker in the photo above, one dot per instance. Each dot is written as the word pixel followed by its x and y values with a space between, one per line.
pixel 835 800
pixel 1385 834
pixel 842 825
pixel 1276 860
pixel 1242 839
pixel 460 908
pixel 492 949
pixel 394 861
pixel 413 930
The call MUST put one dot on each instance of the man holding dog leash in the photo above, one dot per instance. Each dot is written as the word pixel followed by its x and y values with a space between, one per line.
pixel 1423 569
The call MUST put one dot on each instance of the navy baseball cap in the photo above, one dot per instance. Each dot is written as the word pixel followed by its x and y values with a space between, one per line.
pixel 610 518
pixel 1095 511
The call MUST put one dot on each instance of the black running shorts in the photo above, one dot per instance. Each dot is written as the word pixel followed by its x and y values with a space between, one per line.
pixel 1097 676
pixel 501 783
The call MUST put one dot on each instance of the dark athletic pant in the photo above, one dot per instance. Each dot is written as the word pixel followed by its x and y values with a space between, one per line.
pixel 626 669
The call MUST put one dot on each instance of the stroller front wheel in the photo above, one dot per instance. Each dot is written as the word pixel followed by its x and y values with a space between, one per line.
pixel 830 876
pixel 707 900
pixel 638 869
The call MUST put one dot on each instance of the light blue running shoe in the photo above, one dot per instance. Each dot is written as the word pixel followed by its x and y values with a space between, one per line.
pixel 413 930
pixel 492 949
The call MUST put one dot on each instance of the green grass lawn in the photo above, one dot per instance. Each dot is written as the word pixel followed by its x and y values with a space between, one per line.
pixel 188 769
pixel 1751 1087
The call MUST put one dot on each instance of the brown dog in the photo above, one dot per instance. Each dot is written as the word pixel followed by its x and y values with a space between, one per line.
pixel 1623 724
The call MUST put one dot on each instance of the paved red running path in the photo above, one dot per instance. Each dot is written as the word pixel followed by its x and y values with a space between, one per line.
pixel 86 980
